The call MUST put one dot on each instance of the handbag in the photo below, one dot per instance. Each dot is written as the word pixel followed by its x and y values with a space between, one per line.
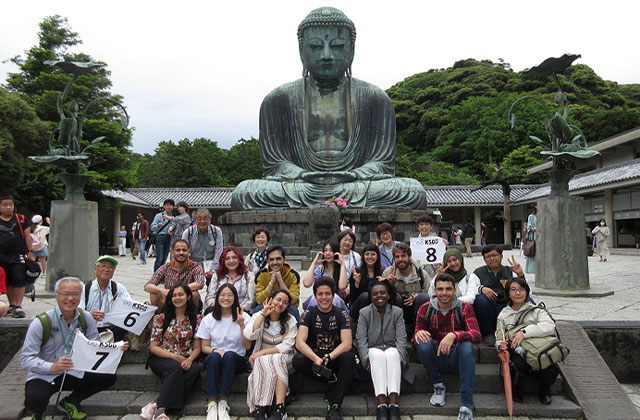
pixel 529 247
pixel 539 352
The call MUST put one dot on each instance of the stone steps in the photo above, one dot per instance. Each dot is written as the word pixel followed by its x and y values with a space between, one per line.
pixel 114 403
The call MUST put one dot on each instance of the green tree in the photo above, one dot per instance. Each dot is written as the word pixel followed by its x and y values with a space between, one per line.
pixel 40 84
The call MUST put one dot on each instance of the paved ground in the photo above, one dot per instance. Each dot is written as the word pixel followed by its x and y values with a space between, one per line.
pixel 621 273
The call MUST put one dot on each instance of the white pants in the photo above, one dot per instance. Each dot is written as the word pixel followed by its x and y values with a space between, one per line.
pixel 386 370
pixel 122 246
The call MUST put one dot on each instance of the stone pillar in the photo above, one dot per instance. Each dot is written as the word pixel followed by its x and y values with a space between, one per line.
pixel 608 216
pixel 477 218
pixel 561 254
pixel 73 241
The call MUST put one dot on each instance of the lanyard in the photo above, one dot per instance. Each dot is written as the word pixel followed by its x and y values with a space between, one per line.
pixel 102 295
pixel 66 341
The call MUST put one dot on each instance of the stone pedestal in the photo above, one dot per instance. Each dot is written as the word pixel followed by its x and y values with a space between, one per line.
pixel 73 241
pixel 561 254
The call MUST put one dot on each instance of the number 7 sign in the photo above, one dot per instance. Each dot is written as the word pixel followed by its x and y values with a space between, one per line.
pixel 95 356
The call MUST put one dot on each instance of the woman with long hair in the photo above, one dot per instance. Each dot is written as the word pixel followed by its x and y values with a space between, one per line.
pixel 328 263
pixel 274 331
pixel 225 347
pixel 382 346
pixel 233 270
pixel 368 271
pixel 174 348
pixel 538 324
pixel 466 283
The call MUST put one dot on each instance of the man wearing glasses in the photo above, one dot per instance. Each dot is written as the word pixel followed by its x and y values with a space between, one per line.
pixel 47 360
pixel 492 297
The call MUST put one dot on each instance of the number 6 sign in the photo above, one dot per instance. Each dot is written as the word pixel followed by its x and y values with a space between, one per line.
pixel 95 356
pixel 130 315
pixel 429 250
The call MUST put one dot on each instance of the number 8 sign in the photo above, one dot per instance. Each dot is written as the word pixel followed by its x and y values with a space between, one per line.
pixel 429 250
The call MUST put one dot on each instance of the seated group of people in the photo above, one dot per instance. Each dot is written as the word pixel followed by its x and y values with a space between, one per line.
pixel 254 302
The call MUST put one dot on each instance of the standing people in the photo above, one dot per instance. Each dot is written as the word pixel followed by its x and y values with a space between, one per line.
pixel 47 360
pixel 382 346
pixel 122 241
pixel 328 263
pixel 160 227
pixel 538 324
pixel 142 236
pixel 134 243
pixel 601 233
pixel 532 234
pixel 231 269
pixel 257 259
pixel 274 331
pixel 324 340
pixel 40 250
pixel 468 230
pixel 103 240
pixel 174 349
pixel 384 231
pixel 425 229
pixel 205 241
pixel 483 234
pixel 15 247
pixel 98 295
pixel 446 329
pixel 225 347
pixel 180 223
pixel 278 274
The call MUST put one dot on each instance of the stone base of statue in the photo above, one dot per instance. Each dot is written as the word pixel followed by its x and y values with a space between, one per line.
pixel 561 253
pixel 292 228
pixel 73 241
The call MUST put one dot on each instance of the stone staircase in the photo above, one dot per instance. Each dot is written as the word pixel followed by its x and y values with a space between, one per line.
pixel 136 386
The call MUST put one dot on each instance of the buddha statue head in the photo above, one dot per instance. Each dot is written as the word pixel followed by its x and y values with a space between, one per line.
pixel 326 39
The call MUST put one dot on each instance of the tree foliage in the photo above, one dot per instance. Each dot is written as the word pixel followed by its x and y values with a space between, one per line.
pixel 458 116
pixel 40 84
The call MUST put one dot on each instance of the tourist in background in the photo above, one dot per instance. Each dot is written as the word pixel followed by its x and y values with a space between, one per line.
pixel 174 349
pixel 468 231
pixel 225 347
pixel 134 243
pixel 601 232
pixel 328 263
pixel 160 227
pixel 103 240
pixel 257 259
pixel 15 242
pixel 142 236
pixel 274 331
pixel 384 231
pixel 382 346
pixel 122 241
pixel 41 252
pixel 231 269
pixel 466 283
pixel 347 224
pixel 538 324
pixel 180 223
pixel 483 234
pixel 278 274
pixel 532 235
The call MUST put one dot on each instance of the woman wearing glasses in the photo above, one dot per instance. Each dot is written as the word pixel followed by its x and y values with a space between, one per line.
pixel 538 324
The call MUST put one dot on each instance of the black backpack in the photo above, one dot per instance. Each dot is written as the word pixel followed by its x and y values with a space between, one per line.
pixel 87 289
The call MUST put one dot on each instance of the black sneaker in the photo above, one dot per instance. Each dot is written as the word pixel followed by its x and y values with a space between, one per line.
pixel 18 312
pixel 382 412
pixel 279 414
pixel 394 412
pixel 261 413
pixel 334 413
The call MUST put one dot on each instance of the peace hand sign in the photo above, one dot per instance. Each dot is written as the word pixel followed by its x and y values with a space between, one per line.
pixel 268 308
pixel 515 266
pixel 240 319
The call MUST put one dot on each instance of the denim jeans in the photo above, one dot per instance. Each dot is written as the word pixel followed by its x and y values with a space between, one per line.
pixel 142 246
pixel 461 360
pixel 220 373
pixel 163 246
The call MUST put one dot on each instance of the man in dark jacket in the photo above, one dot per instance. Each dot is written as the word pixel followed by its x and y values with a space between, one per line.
pixel 142 236
pixel 468 231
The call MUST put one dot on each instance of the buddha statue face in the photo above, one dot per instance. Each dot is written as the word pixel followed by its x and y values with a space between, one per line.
pixel 327 51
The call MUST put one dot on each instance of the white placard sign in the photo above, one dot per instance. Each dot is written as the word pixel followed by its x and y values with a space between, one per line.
pixel 428 250
pixel 130 315
pixel 95 356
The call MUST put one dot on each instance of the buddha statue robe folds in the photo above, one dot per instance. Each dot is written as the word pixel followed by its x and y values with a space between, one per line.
pixel 328 134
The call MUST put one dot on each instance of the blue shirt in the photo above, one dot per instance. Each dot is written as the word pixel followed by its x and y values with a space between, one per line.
pixel 164 230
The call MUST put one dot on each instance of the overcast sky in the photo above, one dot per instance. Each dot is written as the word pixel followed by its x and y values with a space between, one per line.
pixel 201 68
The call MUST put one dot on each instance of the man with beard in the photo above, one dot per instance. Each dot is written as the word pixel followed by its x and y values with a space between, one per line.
pixel 278 274
pixel 180 270
pixel 446 329
pixel 411 283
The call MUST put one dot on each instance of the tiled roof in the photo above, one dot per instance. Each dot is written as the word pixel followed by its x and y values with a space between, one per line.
pixel 457 195
pixel 195 197
pixel 125 197
pixel 611 174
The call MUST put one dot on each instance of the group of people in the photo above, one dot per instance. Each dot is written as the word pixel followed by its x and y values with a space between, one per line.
pixel 221 312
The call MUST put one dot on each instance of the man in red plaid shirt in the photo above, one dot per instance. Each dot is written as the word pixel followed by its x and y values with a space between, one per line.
pixel 446 329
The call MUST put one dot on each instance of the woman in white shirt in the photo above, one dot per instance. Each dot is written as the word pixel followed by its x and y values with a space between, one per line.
pixel 466 283
pixel 225 347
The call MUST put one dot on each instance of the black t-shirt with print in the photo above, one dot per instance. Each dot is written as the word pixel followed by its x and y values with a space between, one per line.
pixel 324 328
pixel 11 240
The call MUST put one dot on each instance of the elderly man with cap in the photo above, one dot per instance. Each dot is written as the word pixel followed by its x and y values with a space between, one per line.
pixel 98 295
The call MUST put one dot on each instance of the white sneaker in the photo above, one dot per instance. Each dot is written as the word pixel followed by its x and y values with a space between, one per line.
pixel 438 397
pixel 223 410
pixel 465 413
pixel 212 411
pixel 149 410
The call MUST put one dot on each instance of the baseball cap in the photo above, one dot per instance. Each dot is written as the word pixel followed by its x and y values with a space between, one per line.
pixel 107 258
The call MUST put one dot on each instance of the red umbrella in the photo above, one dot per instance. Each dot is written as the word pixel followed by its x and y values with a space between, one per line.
pixel 506 375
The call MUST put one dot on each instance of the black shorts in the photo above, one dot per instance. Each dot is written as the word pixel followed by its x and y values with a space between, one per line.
pixel 15 269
